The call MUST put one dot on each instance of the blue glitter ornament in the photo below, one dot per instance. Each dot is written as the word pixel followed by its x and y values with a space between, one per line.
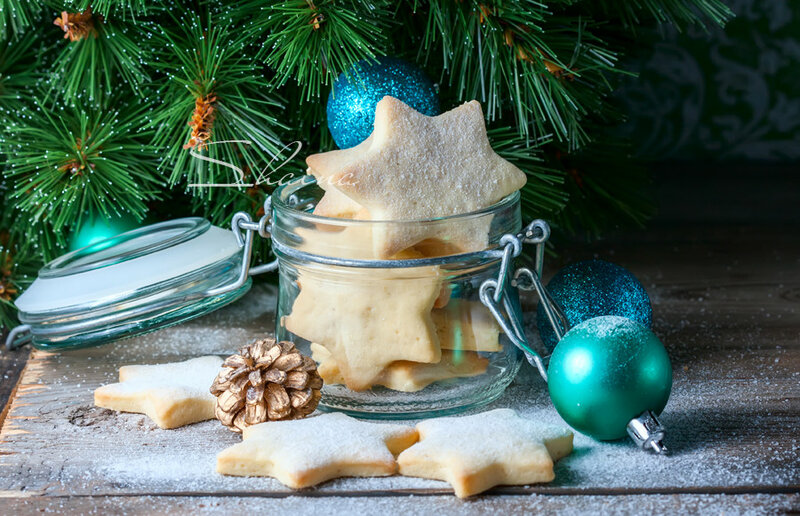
pixel 594 288
pixel 351 103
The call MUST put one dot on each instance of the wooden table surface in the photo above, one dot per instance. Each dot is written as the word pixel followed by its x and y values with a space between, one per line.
pixel 726 299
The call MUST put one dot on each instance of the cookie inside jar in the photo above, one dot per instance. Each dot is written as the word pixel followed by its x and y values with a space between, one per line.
pixel 382 252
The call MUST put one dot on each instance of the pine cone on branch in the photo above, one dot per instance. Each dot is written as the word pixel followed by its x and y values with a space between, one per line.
pixel 266 381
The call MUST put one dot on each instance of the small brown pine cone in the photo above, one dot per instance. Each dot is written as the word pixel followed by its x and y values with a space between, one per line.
pixel 266 381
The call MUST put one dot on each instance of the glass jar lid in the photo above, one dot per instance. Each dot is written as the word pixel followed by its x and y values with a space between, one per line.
pixel 133 283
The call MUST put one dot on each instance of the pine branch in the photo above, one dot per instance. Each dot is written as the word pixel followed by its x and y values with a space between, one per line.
pixel 20 60
pixel 313 42
pixel 72 162
pixel 543 195
pixel 543 70
pixel 516 57
pixel 16 16
pixel 98 56
pixel 214 84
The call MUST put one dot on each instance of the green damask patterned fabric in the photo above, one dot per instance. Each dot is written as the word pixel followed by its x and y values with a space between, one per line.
pixel 727 94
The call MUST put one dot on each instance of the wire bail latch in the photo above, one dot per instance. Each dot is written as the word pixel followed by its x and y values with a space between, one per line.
pixel 493 291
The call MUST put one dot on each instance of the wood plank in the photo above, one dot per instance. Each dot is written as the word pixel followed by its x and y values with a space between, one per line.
pixel 727 312
pixel 55 443
pixel 11 365
pixel 427 505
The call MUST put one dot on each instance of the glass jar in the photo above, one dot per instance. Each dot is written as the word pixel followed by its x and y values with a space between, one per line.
pixel 398 337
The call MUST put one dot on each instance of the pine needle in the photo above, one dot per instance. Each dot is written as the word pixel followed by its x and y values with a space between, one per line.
pixel 206 58
pixel 16 16
pixel 93 67
pixel 67 162
pixel 20 59
pixel 312 42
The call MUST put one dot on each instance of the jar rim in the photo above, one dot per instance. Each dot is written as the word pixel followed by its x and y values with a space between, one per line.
pixel 284 192
pixel 109 251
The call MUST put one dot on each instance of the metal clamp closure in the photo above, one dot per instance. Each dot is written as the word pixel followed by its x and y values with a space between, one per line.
pixel 493 291
pixel 243 228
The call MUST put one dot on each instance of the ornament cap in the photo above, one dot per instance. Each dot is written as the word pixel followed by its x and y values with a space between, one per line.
pixel 647 432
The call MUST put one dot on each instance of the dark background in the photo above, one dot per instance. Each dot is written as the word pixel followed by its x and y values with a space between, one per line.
pixel 728 94
pixel 717 115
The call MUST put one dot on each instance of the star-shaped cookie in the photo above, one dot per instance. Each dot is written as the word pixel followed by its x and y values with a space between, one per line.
pixel 466 326
pixel 336 204
pixel 304 452
pixel 416 167
pixel 408 376
pixel 475 453
pixel 372 319
pixel 172 395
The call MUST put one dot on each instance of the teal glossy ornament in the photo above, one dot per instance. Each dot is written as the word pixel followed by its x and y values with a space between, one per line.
pixel 98 227
pixel 606 372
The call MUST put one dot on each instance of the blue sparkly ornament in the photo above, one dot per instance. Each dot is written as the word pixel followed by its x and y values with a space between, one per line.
pixel 595 288
pixel 352 101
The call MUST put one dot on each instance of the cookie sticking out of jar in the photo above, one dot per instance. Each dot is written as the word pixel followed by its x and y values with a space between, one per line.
pixel 416 167
pixel 418 188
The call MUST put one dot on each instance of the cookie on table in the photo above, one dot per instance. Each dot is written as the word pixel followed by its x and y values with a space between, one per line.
pixel 475 453
pixel 304 452
pixel 172 395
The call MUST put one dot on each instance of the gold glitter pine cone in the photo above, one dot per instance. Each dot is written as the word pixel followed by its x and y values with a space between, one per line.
pixel 266 381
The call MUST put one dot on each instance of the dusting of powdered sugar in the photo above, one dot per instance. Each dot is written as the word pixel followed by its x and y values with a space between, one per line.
pixel 322 440
pixel 719 434
pixel 414 505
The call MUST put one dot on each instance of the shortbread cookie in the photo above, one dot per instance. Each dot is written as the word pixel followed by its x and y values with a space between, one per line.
pixel 475 453
pixel 404 375
pixel 172 395
pixel 336 204
pixel 305 452
pixel 350 241
pixel 371 319
pixel 466 325
pixel 418 167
